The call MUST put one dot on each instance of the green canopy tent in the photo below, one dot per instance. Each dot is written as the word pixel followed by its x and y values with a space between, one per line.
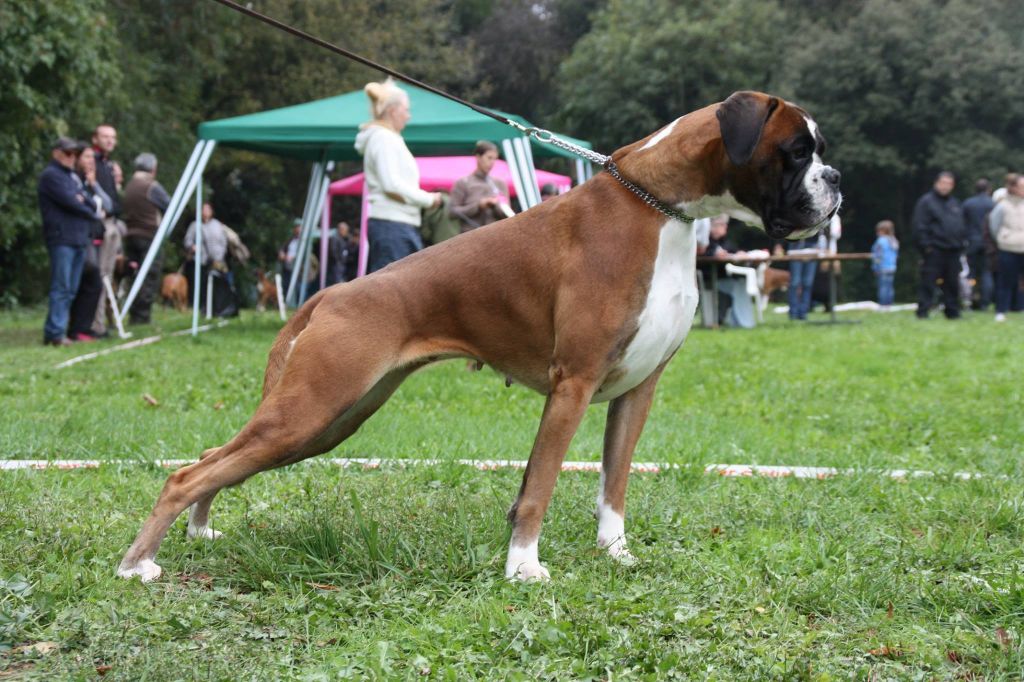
pixel 324 131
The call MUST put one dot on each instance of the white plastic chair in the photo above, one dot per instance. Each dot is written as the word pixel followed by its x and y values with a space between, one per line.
pixel 752 277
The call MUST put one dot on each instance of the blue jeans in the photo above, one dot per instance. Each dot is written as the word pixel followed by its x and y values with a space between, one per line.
pixel 65 273
pixel 801 282
pixel 886 290
pixel 390 241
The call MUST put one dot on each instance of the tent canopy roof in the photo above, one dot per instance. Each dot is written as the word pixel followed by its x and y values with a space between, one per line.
pixel 327 128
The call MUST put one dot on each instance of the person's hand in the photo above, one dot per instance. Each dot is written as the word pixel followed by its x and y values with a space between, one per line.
pixel 487 202
pixel 90 177
pixel 437 200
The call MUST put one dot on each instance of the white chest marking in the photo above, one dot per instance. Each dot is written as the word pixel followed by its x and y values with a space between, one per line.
pixel 667 315
pixel 662 134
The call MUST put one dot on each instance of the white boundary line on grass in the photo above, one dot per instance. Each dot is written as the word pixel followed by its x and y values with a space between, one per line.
pixel 135 344
pixel 725 470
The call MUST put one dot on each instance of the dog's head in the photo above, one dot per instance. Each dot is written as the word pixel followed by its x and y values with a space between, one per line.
pixel 773 164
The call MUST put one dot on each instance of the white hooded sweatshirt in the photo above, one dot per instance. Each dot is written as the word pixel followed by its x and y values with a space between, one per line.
pixel 392 177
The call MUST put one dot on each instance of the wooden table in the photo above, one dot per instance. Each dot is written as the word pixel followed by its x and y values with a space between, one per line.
pixel 787 258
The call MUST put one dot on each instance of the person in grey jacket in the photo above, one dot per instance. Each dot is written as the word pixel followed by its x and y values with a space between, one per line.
pixel 940 235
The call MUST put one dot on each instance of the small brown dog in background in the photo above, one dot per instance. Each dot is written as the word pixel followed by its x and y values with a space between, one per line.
pixel 267 291
pixel 174 291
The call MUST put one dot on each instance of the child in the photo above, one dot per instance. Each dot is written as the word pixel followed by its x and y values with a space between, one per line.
pixel 883 261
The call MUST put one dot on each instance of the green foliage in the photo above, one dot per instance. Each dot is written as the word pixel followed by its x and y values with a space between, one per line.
pixel 58 63
pixel 646 62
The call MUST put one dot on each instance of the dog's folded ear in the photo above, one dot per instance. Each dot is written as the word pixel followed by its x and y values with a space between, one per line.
pixel 741 119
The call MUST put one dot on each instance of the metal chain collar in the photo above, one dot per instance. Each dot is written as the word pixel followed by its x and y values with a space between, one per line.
pixel 547 137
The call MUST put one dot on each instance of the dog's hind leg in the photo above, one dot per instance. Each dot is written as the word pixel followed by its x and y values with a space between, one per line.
pixel 199 512
pixel 627 415
pixel 313 405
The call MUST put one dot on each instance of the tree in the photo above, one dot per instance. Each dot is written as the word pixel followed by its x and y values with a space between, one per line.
pixel 56 67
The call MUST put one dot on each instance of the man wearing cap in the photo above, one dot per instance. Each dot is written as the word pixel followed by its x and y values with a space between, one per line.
pixel 67 220
pixel 142 208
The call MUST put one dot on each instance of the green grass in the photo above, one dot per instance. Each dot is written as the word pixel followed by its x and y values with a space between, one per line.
pixel 331 574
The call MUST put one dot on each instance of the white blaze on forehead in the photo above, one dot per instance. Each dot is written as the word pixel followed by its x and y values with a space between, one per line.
pixel 662 134
pixel 813 127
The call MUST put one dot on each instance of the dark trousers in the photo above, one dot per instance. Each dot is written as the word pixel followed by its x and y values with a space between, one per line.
pixel 1008 287
pixel 65 273
pixel 83 308
pixel 390 241
pixel 135 249
pixel 983 281
pixel 936 264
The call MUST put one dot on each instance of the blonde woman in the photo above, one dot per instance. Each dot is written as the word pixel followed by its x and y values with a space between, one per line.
pixel 392 178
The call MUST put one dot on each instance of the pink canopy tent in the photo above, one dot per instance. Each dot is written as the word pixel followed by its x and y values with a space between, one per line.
pixel 437 173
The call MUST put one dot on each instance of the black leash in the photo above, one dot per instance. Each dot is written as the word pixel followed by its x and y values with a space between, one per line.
pixel 538 134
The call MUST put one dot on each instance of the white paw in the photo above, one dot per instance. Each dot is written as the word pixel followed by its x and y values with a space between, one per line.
pixel 203 533
pixel 619 552
pixel 146 569
pixel 527 572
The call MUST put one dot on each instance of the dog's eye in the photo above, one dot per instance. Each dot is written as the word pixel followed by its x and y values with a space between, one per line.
pixel 800 153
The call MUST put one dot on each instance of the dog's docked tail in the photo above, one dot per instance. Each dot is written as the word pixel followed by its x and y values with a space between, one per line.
pixel 283 343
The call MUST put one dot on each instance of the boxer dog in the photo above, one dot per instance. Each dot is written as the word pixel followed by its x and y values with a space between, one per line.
pixel 583 298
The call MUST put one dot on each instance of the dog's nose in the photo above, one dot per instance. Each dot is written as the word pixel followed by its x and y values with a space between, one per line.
pixel 831 176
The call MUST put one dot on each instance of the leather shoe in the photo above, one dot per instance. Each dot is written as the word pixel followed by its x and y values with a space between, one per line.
pixel 62 341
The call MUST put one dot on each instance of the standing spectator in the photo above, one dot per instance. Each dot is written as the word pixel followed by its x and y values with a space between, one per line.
pixel 104 141
pixel 884 253
pixel 477 199
pixel 142 208
pixel 548 191
pixel 392 178
pixel 83 308
pixel 215 259
pixel 976 210
pixel 67 217
pixel 339 246
pixel 287 254
pixel 1007 225
pixel 939 231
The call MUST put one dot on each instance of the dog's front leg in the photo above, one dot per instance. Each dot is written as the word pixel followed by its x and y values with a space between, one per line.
pixel 563 411
pixel 627 415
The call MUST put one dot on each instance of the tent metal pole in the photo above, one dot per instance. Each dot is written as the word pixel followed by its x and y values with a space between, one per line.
pixel 581 173
pixel 513 168
pixel 196 163
pixel 314 182
pixel 318 204
pixel 302 222
pixel 524 170
pixel 306 241
pixel 197 276
pixel 325 233
pixel 531 171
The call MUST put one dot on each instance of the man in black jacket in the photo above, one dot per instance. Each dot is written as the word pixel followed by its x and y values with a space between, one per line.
pixel 67 220
pixel 940 234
